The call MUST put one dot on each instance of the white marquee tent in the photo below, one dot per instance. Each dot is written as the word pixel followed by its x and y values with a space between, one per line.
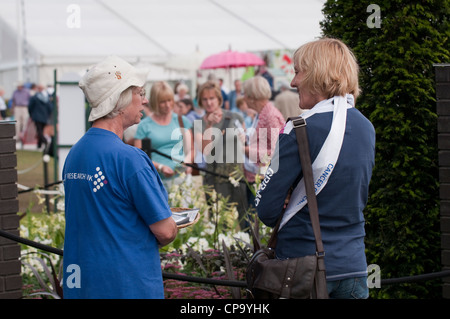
pixel 38 36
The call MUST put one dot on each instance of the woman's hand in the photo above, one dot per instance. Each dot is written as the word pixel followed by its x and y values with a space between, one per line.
pixel 214 117
pixel 167 171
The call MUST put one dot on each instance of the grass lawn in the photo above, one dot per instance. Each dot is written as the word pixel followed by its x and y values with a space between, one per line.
pixel 30 173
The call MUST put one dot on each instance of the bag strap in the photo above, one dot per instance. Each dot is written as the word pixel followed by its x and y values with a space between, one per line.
pixel 180 121
pixel 305 160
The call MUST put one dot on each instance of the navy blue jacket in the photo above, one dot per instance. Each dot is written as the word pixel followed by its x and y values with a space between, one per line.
pixel 40 109
pixel 340 203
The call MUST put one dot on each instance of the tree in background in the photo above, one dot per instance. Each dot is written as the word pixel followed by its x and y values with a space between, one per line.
pixel 396 43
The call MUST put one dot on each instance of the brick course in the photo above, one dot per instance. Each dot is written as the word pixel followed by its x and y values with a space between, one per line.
pixel 10 267
pixel 443 112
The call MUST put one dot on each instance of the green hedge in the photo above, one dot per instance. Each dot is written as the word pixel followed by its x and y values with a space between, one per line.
pixel 398 96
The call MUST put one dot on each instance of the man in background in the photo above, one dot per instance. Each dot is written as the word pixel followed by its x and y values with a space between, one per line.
pixel 20 100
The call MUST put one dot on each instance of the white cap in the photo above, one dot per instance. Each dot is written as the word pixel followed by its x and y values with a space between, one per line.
pixel 104 82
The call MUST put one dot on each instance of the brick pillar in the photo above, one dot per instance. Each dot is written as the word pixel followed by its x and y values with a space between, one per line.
pixel 10 267
pixel 443 111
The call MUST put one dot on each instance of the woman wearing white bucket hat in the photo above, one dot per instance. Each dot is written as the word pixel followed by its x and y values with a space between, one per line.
pixel 117 211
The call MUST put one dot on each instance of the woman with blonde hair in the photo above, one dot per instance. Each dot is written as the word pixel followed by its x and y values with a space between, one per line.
pixel 342 148
pixel 169 134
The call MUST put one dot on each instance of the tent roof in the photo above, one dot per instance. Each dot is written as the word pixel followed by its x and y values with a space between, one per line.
pixel 157 28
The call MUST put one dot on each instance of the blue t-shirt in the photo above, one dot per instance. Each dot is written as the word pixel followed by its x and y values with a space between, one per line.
pixel 341 202
pixel 112 194
pixel 167 139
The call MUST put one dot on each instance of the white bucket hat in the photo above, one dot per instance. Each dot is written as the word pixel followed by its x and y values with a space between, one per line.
pixel 104 82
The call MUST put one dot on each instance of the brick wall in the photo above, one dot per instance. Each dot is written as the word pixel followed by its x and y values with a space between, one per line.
pixel 10 268
pixel 443 111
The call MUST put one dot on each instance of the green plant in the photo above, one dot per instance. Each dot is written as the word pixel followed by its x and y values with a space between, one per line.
pixel 38 267
pixel 214 247
pixel 45 275
pixel 218 218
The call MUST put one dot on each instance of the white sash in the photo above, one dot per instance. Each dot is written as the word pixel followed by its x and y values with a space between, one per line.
pixel 325 161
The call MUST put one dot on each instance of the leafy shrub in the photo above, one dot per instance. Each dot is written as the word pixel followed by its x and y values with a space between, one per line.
pixel 41 272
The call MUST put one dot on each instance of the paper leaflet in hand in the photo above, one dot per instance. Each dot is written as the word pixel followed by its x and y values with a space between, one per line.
pixel 184 216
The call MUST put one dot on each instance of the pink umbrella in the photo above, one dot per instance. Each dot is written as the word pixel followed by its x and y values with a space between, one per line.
pixel 231 59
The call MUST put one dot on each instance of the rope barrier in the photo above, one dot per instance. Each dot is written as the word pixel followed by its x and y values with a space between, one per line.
pixel 26 189
pixel 192 165
pixel 31 243
pixel 209 281
pixel 32 167
pixel 219 282
pixel 416 278
pixel 166 275
pixel 43 190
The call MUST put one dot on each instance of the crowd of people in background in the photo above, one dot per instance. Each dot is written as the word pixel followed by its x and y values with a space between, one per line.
pixel 125 213
pixel 31 107
pixel 169 118
pixel 252 107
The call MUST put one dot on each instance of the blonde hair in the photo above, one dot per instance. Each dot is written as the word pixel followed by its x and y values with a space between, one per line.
pixel 159 91
pixel 330 68
pixel 210 85
pixel 257 88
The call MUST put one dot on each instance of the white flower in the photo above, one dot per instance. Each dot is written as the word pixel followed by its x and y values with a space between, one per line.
pixel 233 181
pixel 227 239
pixel 24 231
pixel 202 245
pixel 47 241
pixel 213 196
pixel 243 236
pixel 192 240
pixel 197 244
